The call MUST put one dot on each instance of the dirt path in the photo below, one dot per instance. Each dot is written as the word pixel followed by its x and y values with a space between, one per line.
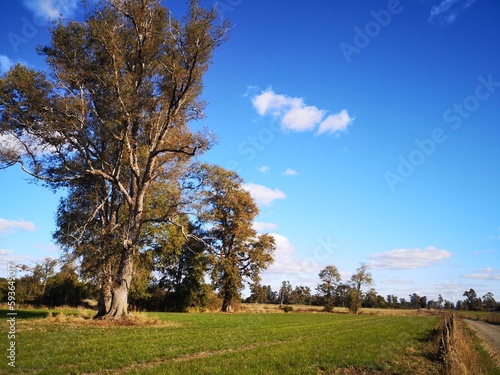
pixel 489 334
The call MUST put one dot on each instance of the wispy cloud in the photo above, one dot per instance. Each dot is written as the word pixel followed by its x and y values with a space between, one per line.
pixel 486 251
pixel 495 236
pixel 295 115
pixel 448 10
pixel 408 259
pixel 262 194
pixel 290 172
pixel 450 288
pixel 52 8
pixel 8 257
pixel 397 281
pixel 263 169
pixel 10 226
pixel 484 274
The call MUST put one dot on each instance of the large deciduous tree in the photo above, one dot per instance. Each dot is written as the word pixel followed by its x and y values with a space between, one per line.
pixel 361 278
pixel 330 277
pixel 109 121
pixel 285 292
pixel 236 252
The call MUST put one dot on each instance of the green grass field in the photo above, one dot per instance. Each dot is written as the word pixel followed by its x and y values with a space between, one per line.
pixel 294 343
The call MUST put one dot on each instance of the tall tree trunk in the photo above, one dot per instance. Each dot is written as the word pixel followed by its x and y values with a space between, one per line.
pixel 118 305
pixel 121 285
pixel 105 297
pixel 228 295
pixel 104 301
pixel 227 304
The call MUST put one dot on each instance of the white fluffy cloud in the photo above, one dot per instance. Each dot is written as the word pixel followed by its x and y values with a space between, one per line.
pixel 262 227
pixel 52 8
pixel 269 102
pixel 262 194
pixel 408 259
pixel 286 261
pixel 295 115
pixel 5 63
pixel 302 118
pixel 335 123
pixel 288 265
pixel 10 226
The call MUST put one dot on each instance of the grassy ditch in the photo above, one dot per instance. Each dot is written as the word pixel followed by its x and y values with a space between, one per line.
pixel 461 351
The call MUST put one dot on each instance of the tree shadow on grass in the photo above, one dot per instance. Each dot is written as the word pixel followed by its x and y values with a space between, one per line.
pixel 25 314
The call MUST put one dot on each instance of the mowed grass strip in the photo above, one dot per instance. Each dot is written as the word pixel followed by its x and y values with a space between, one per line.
pixel 228 344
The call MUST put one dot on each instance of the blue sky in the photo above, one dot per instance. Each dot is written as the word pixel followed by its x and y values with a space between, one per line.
pixel 367 131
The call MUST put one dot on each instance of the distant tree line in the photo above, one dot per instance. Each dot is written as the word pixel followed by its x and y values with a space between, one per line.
pixel 180 282
pixel 332 292
pixel 42 285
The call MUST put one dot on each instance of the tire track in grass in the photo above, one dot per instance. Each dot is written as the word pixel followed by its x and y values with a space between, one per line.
pixel 188 357
pixel 291 333
pixel 300 328
pixel 358 322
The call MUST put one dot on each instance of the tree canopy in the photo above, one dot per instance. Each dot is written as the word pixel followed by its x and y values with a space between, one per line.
pixel 361 278
pixel 329 277
pixel 236 251
pixel 109 122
